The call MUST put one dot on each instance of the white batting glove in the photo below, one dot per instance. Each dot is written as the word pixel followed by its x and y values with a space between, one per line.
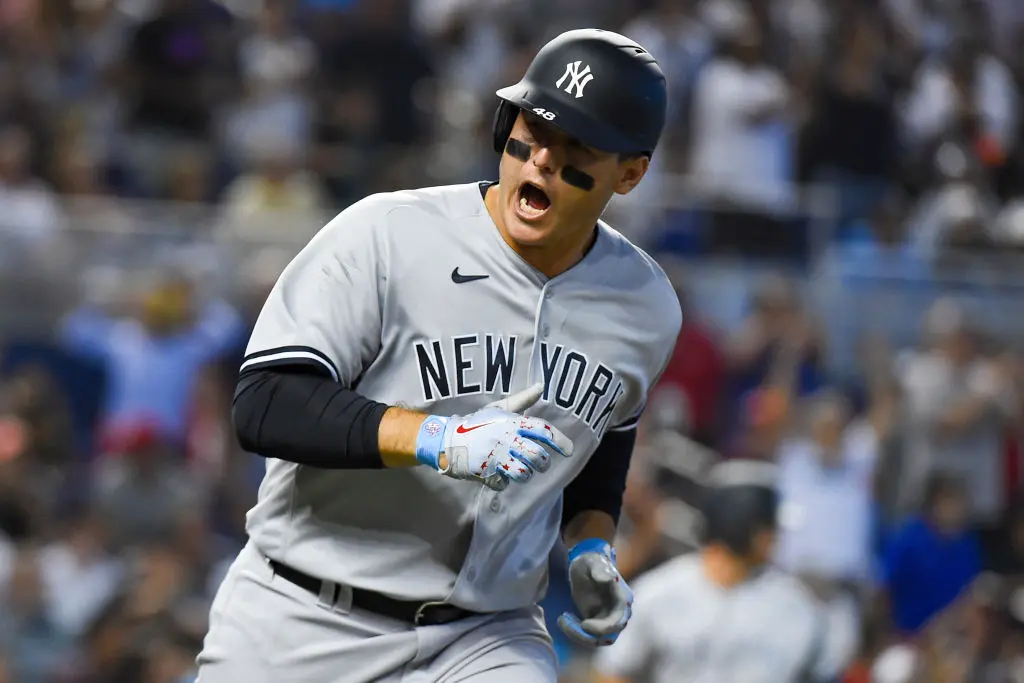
pixel 495 445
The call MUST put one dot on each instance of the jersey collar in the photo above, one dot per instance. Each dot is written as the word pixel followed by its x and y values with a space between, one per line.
pixel 520 264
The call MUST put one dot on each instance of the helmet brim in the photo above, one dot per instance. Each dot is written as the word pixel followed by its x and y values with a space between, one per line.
pixel 569 119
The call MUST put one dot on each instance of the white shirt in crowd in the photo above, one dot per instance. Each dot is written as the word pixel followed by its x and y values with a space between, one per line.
pixel 734 158
pixel 932 385
pixel 77 590
pixel 826 511
pixel 29 212
pixel 932 101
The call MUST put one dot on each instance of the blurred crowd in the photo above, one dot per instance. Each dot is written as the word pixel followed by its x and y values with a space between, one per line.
pixel 839 195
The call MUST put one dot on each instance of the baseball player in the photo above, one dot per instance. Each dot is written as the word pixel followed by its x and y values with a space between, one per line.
pixel 442 382
pixel 721 613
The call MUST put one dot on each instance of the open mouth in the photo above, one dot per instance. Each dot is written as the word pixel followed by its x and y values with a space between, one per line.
pixel 533 201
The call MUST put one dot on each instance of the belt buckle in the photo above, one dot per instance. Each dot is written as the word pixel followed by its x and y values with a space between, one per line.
pixel 420 611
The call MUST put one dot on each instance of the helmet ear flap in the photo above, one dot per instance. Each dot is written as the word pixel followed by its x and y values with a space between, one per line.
pixel 504 119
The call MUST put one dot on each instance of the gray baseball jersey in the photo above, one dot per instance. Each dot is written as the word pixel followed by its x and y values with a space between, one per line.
pixel 414 298
pixel 687 630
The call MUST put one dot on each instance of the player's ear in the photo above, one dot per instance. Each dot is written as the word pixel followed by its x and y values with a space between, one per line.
pixel 631 171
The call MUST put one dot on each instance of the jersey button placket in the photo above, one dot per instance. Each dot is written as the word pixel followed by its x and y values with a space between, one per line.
pixel 545 329
pixel 495 504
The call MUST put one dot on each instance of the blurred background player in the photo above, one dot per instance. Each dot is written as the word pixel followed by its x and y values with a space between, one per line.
pixel 723 613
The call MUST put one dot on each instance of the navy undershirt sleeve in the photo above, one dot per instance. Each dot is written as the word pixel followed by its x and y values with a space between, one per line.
pixel 602 482
pixel 299 414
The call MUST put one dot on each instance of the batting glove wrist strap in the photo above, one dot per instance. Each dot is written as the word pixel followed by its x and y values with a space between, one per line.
pixel 430 441
pixel 592 545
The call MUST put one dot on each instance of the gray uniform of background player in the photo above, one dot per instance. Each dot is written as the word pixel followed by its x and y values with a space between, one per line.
pixel 372 297
pixel 686 629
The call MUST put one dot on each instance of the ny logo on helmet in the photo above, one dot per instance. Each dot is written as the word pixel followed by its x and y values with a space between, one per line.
pixel 578 78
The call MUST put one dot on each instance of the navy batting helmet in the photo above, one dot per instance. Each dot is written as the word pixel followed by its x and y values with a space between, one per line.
pixel 740 500
pixel 600 87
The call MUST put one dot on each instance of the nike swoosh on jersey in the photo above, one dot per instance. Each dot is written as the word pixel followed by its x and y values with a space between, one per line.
pixel 458 278
pixel 462 429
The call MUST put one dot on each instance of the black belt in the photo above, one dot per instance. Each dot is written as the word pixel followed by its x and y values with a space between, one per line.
pixel 416 613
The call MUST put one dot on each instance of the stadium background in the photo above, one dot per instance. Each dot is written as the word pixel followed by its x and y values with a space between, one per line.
pixel 839 196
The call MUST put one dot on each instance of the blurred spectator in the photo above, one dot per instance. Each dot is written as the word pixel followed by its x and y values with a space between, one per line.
pixel 277 186
pixel 18 518
pixel 203 550
pixel 170 660
pixel 79 574
pixel 143 488
pixel 37 642
pixel 177 61
pixel 380 100
pixel 850 141
pixel 760 425
pixel 953 219
pixel 189 178
pixel 35 455
pixel 921 23
pixel 153 359
pixel 36 400
pixel 697 368
pixel 1008 559
pixel 275 62
pixel 77 171
pixel 826 483
pixel 895 664
pixel 29 213
pixel 933 558
pixel 1009 227
pixel 778 344
pixel 959 403
pixel 879 246
pixel 741 140
pixel 471 37
pixel 105 653
pixel 969 94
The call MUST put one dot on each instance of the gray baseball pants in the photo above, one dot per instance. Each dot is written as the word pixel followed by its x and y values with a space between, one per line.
pixel 265 629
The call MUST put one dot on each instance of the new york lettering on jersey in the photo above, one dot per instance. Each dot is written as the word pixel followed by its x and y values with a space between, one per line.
pixel 573 381
pixel 450 344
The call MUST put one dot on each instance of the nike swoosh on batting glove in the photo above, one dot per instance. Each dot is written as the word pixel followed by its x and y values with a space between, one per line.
pixel 603 599
pixel 494 445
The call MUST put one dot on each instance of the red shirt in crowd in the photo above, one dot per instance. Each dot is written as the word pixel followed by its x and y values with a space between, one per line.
pixel 697 367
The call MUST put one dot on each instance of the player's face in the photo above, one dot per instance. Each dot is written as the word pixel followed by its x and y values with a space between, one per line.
pixel 554 188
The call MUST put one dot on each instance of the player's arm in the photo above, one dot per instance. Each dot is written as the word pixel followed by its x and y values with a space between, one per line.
pixel 300 414
pixel 297 414
pixel 592 502
pixel 591 506
pixel 297 395
pixel 590 510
